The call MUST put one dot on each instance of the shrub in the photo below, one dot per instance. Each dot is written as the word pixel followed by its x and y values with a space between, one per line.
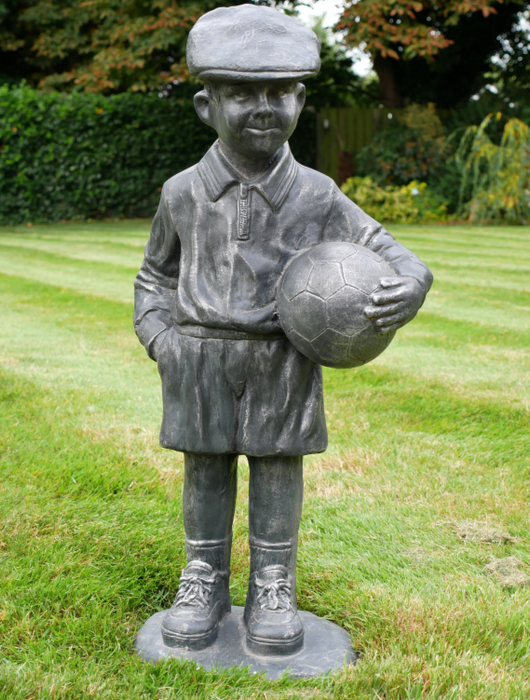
pixel 83 155
pixel 409 204
pixel 497 176
pixel 409 149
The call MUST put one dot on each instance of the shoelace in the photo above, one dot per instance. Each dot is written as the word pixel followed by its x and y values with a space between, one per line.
pixel 194 590
pixel 275 595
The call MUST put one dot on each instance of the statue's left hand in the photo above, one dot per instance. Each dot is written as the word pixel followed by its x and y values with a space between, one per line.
pixel 395 303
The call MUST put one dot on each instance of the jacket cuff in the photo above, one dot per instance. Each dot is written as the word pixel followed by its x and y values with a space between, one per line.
pixel 149 328
pixel 150 345
pixel 413 268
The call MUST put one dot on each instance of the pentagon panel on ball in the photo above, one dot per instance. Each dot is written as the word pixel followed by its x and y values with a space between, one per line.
pixel 321 300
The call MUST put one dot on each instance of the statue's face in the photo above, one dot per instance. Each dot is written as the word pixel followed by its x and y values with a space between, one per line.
pixel 255 119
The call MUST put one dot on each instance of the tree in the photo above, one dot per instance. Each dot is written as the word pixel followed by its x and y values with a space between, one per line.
pixel 511 67
pixel 428 50
pixel 336 85
pixel 98 45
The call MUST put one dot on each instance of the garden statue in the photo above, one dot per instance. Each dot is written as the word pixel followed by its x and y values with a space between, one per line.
pixel 208 310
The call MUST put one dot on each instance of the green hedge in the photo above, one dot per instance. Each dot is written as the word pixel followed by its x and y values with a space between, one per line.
pixel 82 156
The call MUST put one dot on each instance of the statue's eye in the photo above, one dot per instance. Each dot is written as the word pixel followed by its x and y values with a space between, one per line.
pixel 240 93
pixel 282 91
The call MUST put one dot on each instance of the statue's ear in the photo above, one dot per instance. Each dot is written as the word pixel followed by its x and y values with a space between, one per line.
pixel 300 96
pixel 202 106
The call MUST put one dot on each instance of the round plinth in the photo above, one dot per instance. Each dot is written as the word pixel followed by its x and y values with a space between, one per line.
pixel 326 648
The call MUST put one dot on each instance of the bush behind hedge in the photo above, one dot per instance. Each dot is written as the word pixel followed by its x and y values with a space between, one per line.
pixel 83 155
pixel 413 203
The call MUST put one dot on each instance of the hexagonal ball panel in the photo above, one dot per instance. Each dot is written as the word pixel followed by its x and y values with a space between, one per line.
pixel 345 311
pixel 332 252
pixel 362 272
pixel 295 276
pixel 368 344
pixel 303 346
pixel 325 279
pixel 305 314
pixel 332 348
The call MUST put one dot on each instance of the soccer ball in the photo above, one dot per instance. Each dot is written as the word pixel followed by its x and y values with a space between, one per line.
pixel 321 300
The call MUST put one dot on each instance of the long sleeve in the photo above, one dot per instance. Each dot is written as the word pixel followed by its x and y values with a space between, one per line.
pixel 156 282
pixel 348 222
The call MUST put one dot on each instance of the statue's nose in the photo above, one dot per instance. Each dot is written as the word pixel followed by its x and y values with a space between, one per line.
pixel 263 108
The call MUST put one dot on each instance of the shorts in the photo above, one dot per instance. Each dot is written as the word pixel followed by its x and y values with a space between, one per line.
pixel 250 397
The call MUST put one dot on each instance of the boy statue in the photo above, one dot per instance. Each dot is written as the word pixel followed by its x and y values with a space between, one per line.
pixel 205 311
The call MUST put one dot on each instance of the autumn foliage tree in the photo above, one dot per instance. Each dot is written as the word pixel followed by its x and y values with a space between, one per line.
pixel 438 40
pixel 104 46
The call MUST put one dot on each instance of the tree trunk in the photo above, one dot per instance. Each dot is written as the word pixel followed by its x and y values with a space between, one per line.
pixel 389 92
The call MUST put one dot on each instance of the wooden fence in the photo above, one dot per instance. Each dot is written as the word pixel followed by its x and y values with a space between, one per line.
pixel 342 132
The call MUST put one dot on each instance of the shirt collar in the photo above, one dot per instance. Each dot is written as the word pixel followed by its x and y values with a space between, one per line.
pixel 274 185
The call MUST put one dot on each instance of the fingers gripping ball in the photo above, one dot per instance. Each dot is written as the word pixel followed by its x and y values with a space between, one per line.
pixel 321 300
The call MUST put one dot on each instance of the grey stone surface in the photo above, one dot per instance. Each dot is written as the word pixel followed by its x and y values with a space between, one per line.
pixel 233 382
pixel 326 648
pixel 235 43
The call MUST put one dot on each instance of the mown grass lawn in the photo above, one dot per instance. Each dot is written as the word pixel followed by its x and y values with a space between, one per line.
pixel 415 529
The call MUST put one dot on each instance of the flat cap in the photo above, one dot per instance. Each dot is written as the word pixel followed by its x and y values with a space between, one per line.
pixel 251 42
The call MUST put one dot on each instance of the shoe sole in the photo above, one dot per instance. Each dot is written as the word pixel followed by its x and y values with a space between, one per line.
pixel 190 642
pixel 275 647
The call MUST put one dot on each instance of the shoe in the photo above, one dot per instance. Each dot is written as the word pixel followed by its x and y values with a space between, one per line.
pixel 202 601
pixel 273 625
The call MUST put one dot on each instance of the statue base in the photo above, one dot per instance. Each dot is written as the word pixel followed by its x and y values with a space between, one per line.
pixel 326 648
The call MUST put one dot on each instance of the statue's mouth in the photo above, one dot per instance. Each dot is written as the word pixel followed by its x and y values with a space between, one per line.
pixel 262 129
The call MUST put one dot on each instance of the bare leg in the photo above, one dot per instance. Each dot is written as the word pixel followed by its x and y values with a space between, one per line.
pixel 209 501
pixel 203 598
pixel 275 508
